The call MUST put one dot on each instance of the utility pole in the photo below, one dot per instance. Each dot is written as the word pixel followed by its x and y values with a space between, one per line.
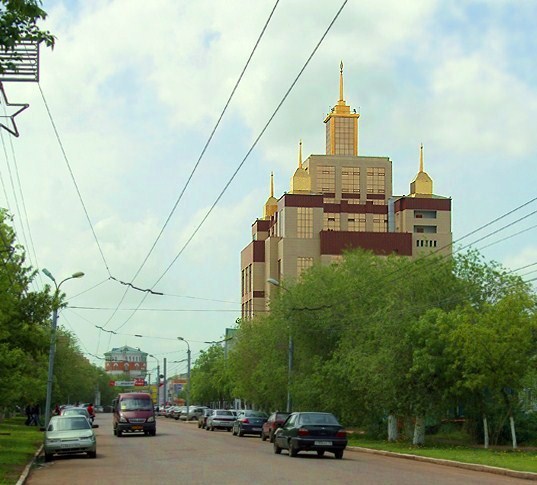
pixel 165 383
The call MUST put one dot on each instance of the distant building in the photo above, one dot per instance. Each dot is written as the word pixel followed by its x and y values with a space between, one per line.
pixel 339 201
pixel 126 360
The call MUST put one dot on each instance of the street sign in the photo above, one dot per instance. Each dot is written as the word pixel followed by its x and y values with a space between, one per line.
pixel 138 382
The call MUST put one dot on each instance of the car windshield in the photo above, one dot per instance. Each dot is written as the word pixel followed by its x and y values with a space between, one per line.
pixel 75 411
pixel 69 424
pixel 136 405
pixel 318 418
pixel 255 414
pixel 223 413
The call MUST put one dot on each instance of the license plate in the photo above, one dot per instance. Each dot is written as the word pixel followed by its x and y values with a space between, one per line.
pixel 256 429
pixel 323 443
pixel 137 427
pixel 67 445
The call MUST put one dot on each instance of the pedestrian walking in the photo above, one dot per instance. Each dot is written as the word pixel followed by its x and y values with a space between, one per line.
pixel 35 416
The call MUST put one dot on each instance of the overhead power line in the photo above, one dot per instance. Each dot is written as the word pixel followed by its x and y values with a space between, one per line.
pixel 193 171
pixel 66 159
pixel 147 291
pixel 256 141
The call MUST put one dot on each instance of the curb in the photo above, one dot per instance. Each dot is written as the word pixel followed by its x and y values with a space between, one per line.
pixel 457 464
pixel 26 471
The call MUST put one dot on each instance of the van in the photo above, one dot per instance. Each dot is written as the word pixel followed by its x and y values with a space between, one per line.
pixel 134 412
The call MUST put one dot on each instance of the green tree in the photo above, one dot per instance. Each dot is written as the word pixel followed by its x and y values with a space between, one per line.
pixel 19 20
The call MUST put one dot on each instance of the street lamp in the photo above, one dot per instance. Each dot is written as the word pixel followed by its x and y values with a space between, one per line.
pixel 158 379
pixel 290 350
pixel 188 375
pixel 52 351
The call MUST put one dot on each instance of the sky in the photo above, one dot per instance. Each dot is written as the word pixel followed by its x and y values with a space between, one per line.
pixel 134 89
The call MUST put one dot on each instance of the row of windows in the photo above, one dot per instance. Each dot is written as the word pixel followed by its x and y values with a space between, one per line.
pixel 246 280
pixel 425 229
pixel 376 180
pixel 304 226
pixel 350 180
pixel 332 222
pixel 425 243
pixel 247 309
pixel 302 264
pixel 326 179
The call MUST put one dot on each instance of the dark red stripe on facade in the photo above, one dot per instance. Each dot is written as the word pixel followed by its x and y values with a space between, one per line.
pixel 422 203
pixel 381 243
pixel 376 196
pixel 300 200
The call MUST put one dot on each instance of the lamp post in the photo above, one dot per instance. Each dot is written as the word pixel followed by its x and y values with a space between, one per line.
pixel 290 351
pixel 158 379
pixel 188 376
pixel 52 350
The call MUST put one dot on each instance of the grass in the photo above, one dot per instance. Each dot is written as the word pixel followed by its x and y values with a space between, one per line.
pixel 519 460
pixel 18 443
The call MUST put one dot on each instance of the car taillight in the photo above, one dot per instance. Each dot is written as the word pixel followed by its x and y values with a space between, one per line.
pixel 245 420
pixel 341 434
pixel 303 432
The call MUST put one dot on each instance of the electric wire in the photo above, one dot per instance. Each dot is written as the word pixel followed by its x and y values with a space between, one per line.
pixel 89 289
pixel 267 124
pixel 193 171
pixel 73 179
pixel 179 198
pixel 244 159
pixel 31 239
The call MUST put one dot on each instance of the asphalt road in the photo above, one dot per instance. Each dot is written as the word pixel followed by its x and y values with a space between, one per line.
pixel 183 454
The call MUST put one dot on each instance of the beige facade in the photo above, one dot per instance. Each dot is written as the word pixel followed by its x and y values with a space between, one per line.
pixel 339 201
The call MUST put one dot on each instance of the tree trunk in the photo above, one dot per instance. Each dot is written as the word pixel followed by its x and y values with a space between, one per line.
pixel 419 431
pixel 393 434
pixel 513 432
pixel 486 431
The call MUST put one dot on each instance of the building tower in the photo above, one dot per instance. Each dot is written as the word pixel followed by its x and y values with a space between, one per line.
pixel 336 202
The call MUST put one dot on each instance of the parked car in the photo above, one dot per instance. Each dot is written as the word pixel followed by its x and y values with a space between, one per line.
pixel 70 435
pixel 178 411
pixel 270 426
pixel 76 412
pixel 194 412
pixel 220 419
pixel 311 431
pixel 98 409
pixel 202 420
pixel 249 422
pixel 168 411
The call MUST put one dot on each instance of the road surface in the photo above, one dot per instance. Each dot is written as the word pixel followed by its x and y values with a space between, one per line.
pixel 183 454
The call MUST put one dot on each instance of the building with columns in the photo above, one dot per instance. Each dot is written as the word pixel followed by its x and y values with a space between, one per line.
pixel 336 202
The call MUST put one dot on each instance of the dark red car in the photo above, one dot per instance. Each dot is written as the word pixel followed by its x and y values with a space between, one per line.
pixel 274 421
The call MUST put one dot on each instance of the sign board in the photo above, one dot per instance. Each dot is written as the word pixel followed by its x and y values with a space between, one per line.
pixel 138 382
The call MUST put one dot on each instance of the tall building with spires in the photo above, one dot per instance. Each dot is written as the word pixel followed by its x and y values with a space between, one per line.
pixel 340 201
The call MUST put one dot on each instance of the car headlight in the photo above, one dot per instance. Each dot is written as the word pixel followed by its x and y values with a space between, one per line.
pixel 50 441
pixel 123 419
pixel 88 437
pixel 151 419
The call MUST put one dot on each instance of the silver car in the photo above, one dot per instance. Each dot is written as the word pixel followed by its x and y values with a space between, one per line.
pixel 220 419
pixel 69 435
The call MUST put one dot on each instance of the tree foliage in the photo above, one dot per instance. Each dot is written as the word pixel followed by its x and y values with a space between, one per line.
pixel 19 20
pixel 375 337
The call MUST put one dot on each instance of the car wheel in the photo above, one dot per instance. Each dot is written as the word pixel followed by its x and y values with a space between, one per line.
pixel 114 430
pixel 48 457
pixel 292 450
pixel 92 454
pixel 338 454
pixel 271 436
pixel 153 432
pixel 228 429
pixel 263 436
pixel 119 433
pixel 207 428
pixel 199 425
pixel 212 428
pixel 241 432
pixel 320 452
pixel 277 449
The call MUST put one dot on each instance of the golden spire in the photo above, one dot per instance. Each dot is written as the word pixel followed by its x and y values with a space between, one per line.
pixel 300 181
pixel 422 185
pixel 271 205
pixel 341 82
pixel 300 154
